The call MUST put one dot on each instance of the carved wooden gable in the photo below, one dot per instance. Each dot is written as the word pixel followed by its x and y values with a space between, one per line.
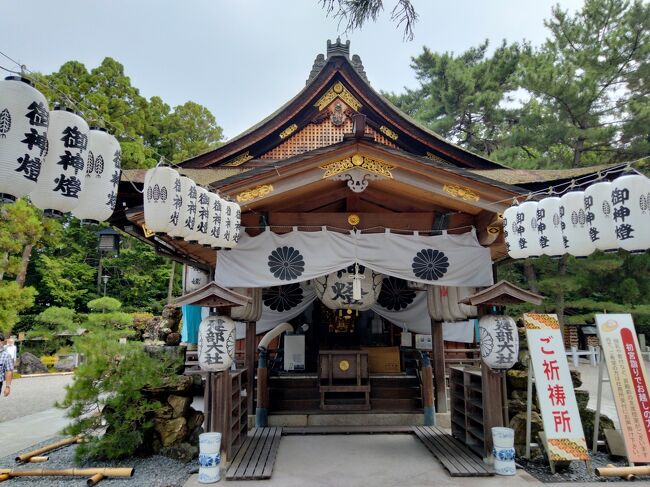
pixel 327 128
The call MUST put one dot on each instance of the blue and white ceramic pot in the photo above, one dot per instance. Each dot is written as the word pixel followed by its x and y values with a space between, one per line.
pixel 503 451
pixel 209 458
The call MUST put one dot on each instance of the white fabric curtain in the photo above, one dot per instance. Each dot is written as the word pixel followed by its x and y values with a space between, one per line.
pixel 270 259
pixel 282 303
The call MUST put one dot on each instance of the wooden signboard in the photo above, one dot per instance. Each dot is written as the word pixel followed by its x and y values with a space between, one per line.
pixel 565 439
pixel 629 382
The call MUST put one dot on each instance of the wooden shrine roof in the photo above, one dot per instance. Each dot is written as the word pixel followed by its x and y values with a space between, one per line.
pixel 502 293
pixel 337 78
pixel 213 296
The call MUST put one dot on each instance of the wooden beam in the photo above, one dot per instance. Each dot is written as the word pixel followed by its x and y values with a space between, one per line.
pixel 402 221
pixel 251 340
pixel 488 227
pixel 438 351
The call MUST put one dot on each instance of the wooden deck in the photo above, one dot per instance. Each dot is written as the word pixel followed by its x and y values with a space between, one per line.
pixel 457 459
pixel 256 457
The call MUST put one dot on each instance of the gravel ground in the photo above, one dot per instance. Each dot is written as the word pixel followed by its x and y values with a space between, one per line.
pixel 156 471
pixel 30 395
pixel 576 472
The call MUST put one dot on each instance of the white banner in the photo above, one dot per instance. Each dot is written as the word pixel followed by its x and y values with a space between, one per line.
pixel 282 303
pixel 269 259
pixel 557 400
pixel 629 382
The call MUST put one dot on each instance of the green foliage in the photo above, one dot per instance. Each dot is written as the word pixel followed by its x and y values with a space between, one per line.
pixel 104 305
pixel 57 318
pixel 13 300
pixel 460 97
pixel 111 382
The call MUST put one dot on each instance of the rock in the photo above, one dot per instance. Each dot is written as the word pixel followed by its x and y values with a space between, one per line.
pixel 575 378
pixel 171 431
pixel 30 364
pixel 520 395
pixel 518 424
pixel 587 416
pixel 173 339
pixel 66 364
pixel 184 452
pixel 516 406
pixel 523 340
pixel 164 412
pixel 194 419
pixel 180 405
pixel 518 379
pixel 582 398
pixel 180 385
pixel 173 316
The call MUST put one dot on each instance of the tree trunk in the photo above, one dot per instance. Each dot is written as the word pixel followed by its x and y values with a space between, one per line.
pixel 170 284
pixel 22 275
pixel 531 277
pixel 100 271
pixel 559 294
pixel 577 152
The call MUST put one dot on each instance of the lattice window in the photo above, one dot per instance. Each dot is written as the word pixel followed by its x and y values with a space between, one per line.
pixel 317 135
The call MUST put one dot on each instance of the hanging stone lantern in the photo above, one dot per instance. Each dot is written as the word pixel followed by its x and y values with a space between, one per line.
pixel 216 347
pixel 97 202
pixel 630 199
pixel 62 178
pixel 158 186
pixel 24 120
pixel 499 341
pixel 336 291
pixel 575 231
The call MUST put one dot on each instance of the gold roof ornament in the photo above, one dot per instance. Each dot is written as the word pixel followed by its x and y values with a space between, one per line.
pixel 239 160
pixel 461 192
pixel 338 91
pixel 388 132
pixel 254 193
pixel 375 166
pixel 288 131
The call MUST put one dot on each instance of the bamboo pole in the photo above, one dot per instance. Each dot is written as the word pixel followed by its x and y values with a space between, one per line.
pixel 70 472
pixel 67 441
pixel 4 477
pixel 38 459
pixel 95 479
pixel 626 472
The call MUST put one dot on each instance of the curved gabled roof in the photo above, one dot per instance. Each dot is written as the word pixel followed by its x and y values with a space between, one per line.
pixel 332 77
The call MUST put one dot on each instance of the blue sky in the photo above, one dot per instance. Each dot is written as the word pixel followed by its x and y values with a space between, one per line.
pixel 244 58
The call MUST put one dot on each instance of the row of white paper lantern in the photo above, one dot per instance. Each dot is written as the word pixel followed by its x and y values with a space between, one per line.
pixel 175 205
pixel 606 216
pixel 54 157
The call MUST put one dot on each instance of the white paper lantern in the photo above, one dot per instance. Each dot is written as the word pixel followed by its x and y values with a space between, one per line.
pixel 253 310
pixel 202 215
pixel 232 221
pixel 24 119
pixel 62 178
pixel 549 227
pixel 336 289
pixel 573 220
pixel 630 198
pixel 598 205
pixel 216 346
pixel 214 220
pixel 158 184
pixel 103 163
pixel 530 238
pixel 499 341
pixel 206 239
pixel 194 278
pixel 188 209
pixel 176 219
pixel 513 233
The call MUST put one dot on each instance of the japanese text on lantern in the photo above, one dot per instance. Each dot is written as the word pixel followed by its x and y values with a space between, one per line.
pixel 214 351
pixel 557 400
pixel 629 382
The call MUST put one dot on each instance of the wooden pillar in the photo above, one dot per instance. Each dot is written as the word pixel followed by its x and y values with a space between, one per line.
pixel 438 348
pixel 492 384
pixel 427 390
pixel 250 364
pixel 216 405
pixel 261 413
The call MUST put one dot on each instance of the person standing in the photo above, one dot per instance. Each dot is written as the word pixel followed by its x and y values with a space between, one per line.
pixel 6 368
pixel 10 348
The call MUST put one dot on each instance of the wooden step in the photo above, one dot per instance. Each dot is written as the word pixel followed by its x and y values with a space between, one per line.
pixel 294 393
pixel 395 392
pixel 396 404
pixel 256 457
pixel 294 404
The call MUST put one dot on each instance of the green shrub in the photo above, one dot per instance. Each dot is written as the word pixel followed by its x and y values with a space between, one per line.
pixel 104 305
pixel 111 382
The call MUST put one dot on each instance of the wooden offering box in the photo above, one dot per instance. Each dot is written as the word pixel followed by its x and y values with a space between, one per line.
pixel 342 372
